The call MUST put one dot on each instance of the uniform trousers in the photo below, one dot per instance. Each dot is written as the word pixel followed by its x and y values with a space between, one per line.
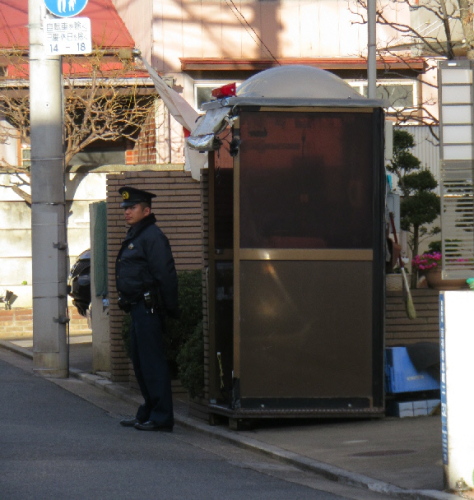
pixel 151 366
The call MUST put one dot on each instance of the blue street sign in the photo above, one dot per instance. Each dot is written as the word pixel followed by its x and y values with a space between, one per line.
pixel 65 8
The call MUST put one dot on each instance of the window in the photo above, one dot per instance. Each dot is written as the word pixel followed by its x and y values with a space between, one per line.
pixel 400 93
pixel 26 157
pixel 203 91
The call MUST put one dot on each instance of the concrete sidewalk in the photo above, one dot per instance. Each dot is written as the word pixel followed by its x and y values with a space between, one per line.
pixel 400 457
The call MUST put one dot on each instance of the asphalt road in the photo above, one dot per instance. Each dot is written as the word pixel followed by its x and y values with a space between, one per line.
pixel 63 440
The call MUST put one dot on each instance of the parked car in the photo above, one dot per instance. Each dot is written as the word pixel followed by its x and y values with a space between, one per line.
pixel 79 283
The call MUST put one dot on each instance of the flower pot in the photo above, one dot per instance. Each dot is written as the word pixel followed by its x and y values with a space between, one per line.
pixel 435 281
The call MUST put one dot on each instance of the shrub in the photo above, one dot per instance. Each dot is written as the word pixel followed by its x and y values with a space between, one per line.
pixel 190 303
pixel 435 246
pixel 190 362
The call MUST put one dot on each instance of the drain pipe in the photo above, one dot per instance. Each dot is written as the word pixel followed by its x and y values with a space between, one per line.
pixel 371 46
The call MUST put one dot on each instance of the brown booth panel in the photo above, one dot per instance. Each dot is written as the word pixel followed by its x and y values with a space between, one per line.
pixel 305 329
pixel 223 320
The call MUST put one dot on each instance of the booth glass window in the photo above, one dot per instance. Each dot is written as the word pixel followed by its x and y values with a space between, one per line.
pixel 223 172
pixel 306 179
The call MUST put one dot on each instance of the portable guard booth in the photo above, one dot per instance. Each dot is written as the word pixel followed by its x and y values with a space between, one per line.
pixel 296 256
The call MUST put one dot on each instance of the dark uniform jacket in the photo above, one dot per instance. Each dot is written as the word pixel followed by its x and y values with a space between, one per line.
pixel 145 264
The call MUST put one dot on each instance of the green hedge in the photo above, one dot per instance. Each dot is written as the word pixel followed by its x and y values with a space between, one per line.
pixel 190 362
pixel 190 304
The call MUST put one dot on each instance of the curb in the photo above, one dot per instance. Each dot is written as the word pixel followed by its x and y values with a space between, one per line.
pixel 327 471
pixel 15 348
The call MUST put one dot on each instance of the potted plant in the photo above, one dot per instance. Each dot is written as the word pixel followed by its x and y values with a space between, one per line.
pixel 428 261
pixel 428 265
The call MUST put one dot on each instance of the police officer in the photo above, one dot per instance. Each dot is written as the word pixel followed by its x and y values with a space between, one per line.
pixel 148 288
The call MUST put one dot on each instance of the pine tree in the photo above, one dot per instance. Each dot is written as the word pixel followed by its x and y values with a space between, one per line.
pixel 419 205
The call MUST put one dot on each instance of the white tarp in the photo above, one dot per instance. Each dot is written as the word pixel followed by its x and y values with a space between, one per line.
pixel 185 115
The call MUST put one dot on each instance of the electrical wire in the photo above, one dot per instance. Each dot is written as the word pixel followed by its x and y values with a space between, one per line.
pixel 240 17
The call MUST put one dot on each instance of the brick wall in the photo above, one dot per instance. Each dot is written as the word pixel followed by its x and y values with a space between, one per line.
pixel 400 330
pixel 178 209
pixel 17 323
pixel 144 149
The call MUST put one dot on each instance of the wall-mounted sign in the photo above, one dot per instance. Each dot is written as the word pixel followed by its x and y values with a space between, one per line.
pixel 457 379
pixel 67 36
pixel 65 8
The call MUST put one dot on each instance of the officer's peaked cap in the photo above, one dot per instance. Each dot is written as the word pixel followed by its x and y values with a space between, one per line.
pixel 131 196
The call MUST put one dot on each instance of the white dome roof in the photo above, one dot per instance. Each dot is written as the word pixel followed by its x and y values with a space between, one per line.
pixel 297 81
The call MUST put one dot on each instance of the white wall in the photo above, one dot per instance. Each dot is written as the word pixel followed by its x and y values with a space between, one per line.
pixel 139 16
pixel 15 232
pixel 9 145
pixel 166 31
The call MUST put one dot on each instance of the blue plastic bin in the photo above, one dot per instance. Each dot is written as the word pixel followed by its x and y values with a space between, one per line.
pixel 402 376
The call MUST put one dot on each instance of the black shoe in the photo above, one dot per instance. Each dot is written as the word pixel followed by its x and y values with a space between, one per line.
pixel 153 426
pixel 129 422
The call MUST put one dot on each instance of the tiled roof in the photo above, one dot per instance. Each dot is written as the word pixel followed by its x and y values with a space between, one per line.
pixel 108 29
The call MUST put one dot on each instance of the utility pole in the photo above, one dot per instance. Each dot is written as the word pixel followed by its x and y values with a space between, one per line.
pixel 371 46
pixel 48 207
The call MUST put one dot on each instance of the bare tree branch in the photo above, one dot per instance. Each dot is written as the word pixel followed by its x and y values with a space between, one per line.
pixel 454 18
pixel 424 28
pixel 105 100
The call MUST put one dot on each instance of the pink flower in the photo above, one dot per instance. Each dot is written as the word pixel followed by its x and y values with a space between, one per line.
pixel 426 261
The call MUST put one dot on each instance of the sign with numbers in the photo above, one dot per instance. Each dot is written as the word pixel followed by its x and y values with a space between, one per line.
pixel 67 36
pixel 65 8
